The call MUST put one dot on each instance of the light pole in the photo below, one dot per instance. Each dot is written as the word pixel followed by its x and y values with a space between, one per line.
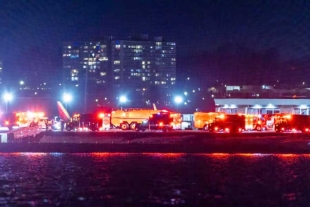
pixel 178 100
pixel 67 98
pixel 122 99
pixel 7 98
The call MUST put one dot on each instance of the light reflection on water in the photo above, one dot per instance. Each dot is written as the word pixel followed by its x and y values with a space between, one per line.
pixel 117 179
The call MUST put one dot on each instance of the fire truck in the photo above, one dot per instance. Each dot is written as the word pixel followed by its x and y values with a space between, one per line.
pixel 84 122
pixel 232 123
pixel 13 120
pixel 128 118
pixel 203 119
pixel 159 121
pixel 255 122
pixel 292 123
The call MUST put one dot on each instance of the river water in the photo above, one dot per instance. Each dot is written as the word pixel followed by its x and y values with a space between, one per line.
pixel 153 179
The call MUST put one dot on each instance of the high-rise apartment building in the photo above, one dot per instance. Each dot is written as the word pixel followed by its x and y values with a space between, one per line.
pixel 144 69
pixel 140 68
pixel 85 66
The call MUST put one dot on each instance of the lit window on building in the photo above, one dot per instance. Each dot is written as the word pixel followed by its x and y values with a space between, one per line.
pixel 103 59
pixel 103 73
pixel 116 62
pixel 143 78
pixel 117 46
pixel 69 47
pixel 116 70
pixel 116 77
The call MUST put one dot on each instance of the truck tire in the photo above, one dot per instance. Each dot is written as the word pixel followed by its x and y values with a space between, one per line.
pixel 133 125
pixel 205 127
pixel 124 126
pixel 258 128
pixel 68 128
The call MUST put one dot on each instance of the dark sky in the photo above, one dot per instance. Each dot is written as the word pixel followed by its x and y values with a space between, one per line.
pixel 31 32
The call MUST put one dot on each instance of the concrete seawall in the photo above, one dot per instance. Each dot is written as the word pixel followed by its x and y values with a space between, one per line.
pixel 170 142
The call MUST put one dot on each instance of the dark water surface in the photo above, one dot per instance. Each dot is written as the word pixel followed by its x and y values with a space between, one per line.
pixel 155 179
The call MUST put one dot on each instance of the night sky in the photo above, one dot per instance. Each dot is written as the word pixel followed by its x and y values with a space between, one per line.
pixel 32 32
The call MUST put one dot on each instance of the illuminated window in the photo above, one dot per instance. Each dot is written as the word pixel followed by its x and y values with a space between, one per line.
pixel 117 46
pixel 116 77
pixel 103 58
pixel 116 70
pixel 103 73
pixel 116 62
pixel 143 78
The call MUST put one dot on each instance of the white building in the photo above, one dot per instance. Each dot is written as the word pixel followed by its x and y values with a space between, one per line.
pixel 262 106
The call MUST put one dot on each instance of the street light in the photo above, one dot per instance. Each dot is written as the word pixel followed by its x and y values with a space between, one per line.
pixel 178 100
pixel 7 98
pixel 122 99
pixel 67 98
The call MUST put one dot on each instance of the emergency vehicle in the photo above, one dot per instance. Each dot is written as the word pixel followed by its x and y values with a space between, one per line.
pixel 292 123
pixel 203 119
pixel 232 123
pixel 14 120
pixel 159 121
pixel 255 122
pixel 128 118
pixel 84 122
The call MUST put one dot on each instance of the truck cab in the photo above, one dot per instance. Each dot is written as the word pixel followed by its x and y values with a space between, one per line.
pixel 159 121
pixel 231 123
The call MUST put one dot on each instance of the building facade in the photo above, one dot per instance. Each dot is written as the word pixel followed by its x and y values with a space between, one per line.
pixel 142 69
pixel 85 67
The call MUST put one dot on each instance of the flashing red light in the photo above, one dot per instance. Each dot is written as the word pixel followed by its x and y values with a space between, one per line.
pixel 216 128
pixel 227 129
pixel 161 124
pixel 306 129
pixel 282 129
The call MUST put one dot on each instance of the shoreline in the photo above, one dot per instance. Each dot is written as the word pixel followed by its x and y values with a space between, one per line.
pixel 156 142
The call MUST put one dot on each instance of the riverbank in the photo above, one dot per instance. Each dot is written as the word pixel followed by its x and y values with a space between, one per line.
pixel 157 142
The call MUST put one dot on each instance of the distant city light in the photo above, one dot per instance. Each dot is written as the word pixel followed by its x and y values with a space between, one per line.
pixel 185 93
pixel 21 82
pixel 67 97
pixel 178 99
pixel 8 97
pixel 123 99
